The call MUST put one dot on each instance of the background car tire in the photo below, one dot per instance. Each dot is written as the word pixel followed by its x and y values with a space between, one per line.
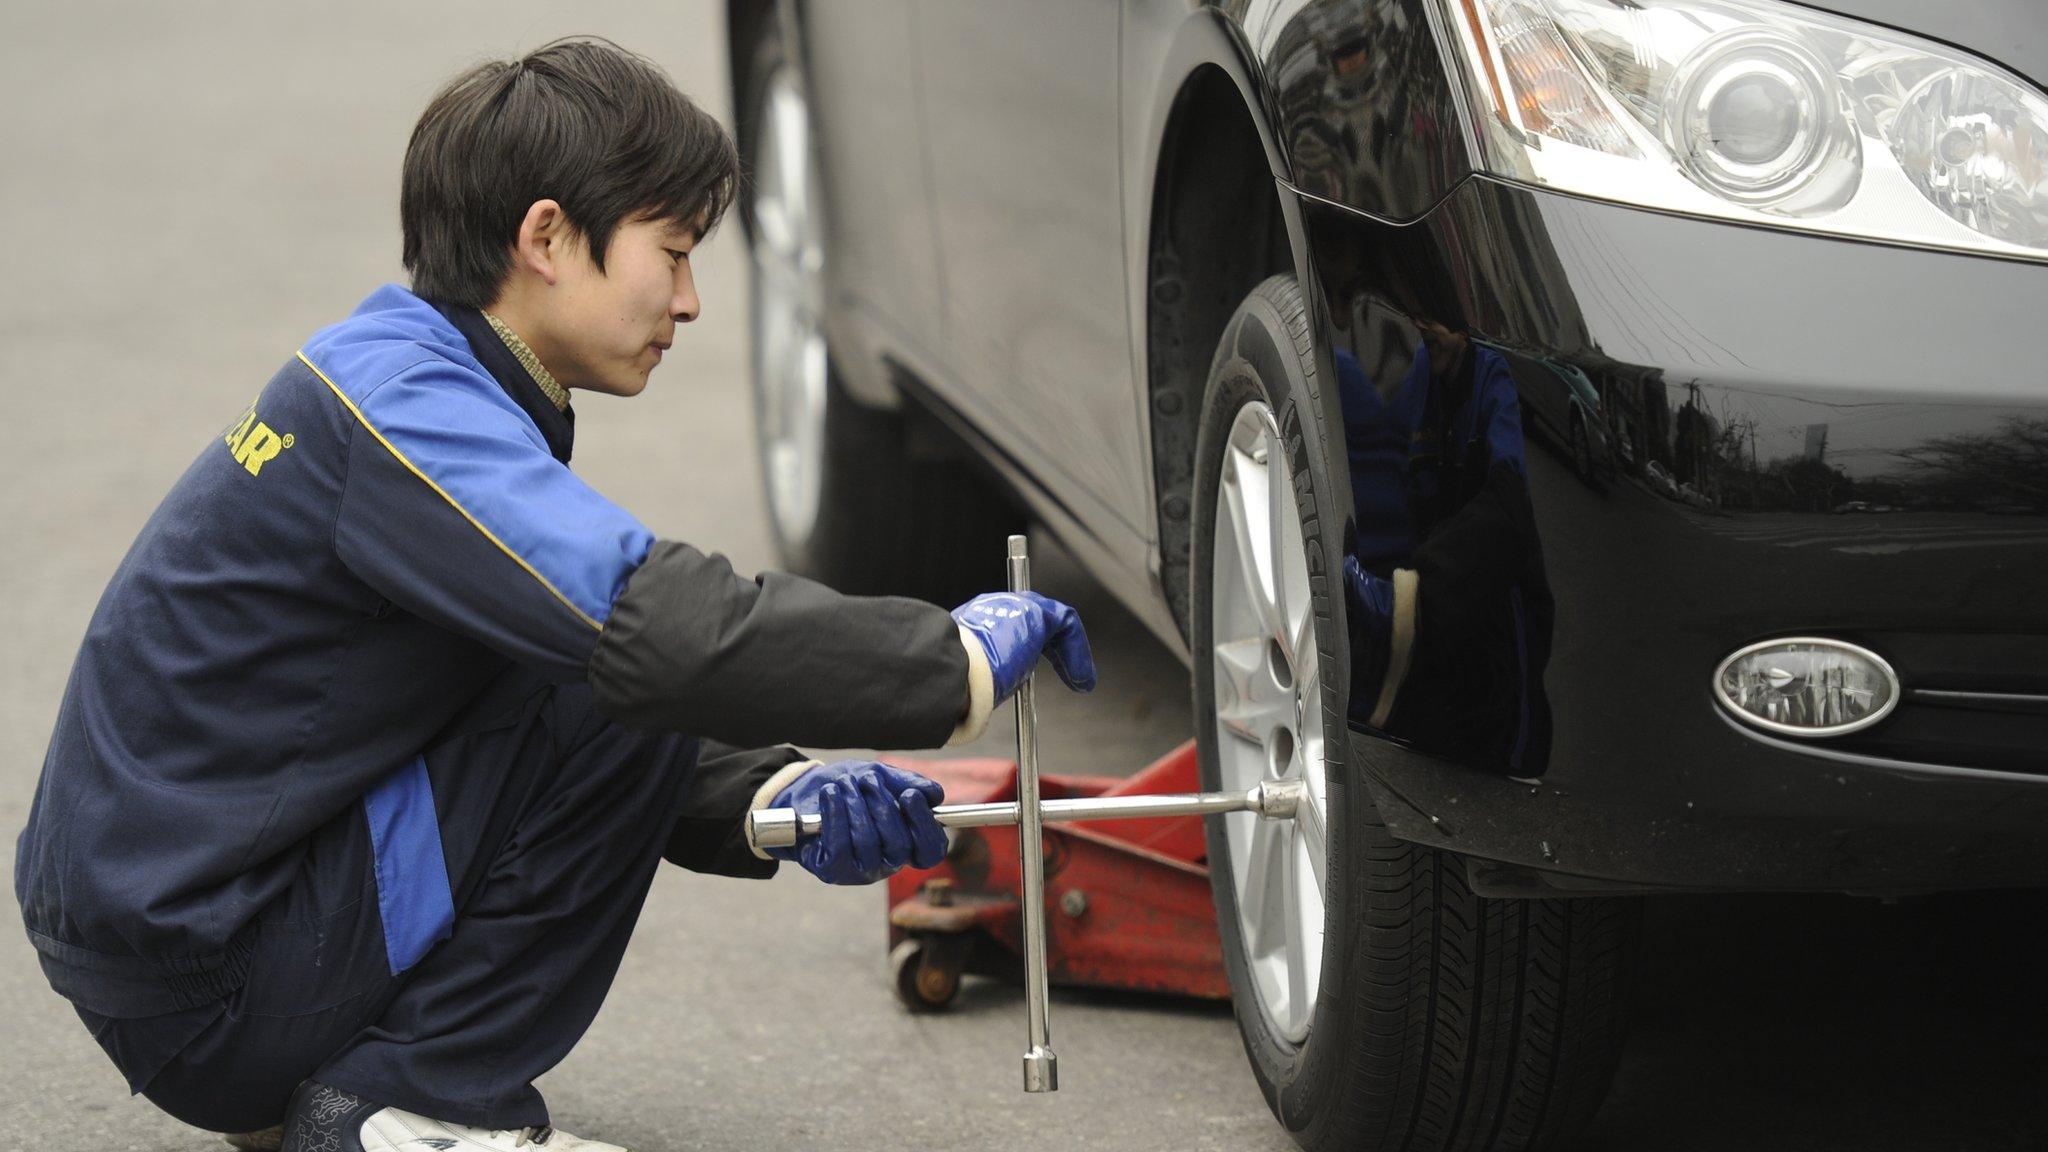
pixel 860 498
pixel 1440 1020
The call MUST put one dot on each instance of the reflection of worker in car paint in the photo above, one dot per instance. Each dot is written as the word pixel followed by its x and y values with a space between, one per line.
pixel 1449 611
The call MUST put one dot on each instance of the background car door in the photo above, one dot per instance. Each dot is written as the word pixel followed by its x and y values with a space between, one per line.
pixel 1021 111
pixel 864 73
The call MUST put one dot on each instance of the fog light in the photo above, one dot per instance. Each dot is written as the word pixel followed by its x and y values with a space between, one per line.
pixel 1807 686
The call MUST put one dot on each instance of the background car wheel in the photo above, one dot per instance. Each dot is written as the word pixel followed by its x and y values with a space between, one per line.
pixel 1383 1006
pixel 853 499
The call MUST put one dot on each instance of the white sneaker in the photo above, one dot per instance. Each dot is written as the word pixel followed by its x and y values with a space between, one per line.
pixel 395 1130
pixel 326 1119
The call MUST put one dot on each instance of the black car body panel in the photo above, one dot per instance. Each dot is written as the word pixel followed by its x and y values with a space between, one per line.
pixel 1794 342
pixel 1800 434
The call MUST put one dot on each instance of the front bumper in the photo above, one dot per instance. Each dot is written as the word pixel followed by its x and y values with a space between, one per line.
pixel 1765 379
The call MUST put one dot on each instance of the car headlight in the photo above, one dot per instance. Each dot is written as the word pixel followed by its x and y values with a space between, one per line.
pixel 1760 112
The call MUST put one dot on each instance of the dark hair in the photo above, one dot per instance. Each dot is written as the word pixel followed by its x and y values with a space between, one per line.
pixel 581 121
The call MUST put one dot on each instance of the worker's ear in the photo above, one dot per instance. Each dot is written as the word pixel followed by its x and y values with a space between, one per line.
pixel 545 241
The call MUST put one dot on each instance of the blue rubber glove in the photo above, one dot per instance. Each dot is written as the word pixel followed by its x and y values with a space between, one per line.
pixel 875 819
pixel 1015 628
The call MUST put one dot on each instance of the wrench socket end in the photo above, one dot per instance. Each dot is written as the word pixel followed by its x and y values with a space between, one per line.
pixel 1041 1071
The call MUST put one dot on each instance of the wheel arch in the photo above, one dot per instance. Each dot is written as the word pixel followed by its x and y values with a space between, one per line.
pixel 1218 216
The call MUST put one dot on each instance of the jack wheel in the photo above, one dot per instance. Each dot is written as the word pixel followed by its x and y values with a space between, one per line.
pixel 926 979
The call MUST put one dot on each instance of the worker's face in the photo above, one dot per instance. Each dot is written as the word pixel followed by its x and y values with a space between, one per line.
pixel 608 329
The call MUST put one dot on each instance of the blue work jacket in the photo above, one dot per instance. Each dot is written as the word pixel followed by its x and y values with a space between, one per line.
pixel 389 525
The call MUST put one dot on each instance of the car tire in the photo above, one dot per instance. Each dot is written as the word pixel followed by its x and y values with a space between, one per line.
pixel 855 497
pixel 1414 1016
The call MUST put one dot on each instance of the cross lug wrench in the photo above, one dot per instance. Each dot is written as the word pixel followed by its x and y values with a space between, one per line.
pixel 1270 799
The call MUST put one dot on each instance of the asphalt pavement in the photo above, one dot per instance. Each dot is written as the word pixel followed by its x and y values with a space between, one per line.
pixel 187 191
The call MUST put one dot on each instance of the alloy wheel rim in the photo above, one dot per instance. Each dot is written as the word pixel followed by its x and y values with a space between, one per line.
pixel 1269 718
pixel 788 337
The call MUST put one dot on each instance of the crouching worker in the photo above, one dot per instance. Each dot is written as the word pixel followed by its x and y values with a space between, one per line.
pixel 345 833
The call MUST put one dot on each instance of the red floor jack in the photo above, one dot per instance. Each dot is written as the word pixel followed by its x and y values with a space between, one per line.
pixel 1133 898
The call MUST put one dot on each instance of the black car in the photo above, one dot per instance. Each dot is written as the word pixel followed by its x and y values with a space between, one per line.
pixel 1276 313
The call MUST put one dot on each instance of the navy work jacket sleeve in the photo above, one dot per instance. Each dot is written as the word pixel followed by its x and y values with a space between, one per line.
pixel 709 836
pixel 454 509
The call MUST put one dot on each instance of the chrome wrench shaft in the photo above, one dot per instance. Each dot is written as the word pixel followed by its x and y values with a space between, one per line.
pixel 1041 1064
pixel 1273 799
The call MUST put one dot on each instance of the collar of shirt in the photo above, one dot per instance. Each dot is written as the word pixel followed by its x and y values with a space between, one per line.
pixel 557 395
pixel 530 386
